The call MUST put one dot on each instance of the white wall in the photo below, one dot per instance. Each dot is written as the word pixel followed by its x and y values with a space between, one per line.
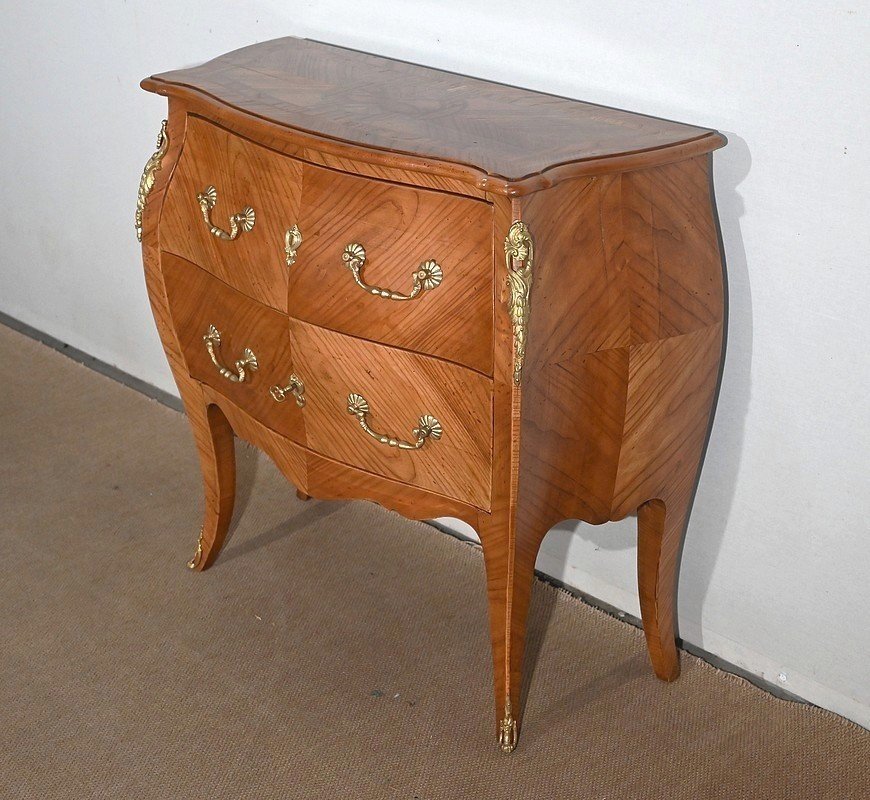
pixel 775 569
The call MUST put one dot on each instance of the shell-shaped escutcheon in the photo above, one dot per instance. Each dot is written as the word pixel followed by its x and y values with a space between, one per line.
pixel 246 218
pixel 354 255
pixel 428 426
pixel 357 404
pixel 430 274
pixel 207 197
pixel 248 359
pixel 213 335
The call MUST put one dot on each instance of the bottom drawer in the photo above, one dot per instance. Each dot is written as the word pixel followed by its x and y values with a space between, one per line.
pixel 199 303
pixel 417 419
pixel 393 390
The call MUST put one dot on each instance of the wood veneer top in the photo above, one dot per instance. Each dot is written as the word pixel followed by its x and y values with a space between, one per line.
pixel 420 114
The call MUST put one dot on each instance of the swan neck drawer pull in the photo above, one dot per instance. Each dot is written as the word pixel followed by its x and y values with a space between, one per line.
pixel 248 361
pixel 426 427
pixel 294 386
pixel 292 241
pixel 427 276
pixel 239 223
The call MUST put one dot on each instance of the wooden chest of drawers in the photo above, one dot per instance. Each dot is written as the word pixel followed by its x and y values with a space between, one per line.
pixel 450 297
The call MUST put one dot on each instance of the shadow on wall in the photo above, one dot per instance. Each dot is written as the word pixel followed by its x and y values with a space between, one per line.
pixel 718 483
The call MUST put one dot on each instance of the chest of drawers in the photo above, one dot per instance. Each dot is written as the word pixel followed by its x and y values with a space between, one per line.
pixel 447 296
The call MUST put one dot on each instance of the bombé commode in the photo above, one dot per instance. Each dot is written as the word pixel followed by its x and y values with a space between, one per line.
pixel 447 296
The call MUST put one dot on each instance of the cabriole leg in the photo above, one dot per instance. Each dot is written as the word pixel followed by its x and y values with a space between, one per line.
pixel 217 459
pixel 510 571
pixel 660 529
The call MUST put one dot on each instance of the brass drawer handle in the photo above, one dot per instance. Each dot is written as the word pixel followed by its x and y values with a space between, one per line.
pixel 294 386
pixel 426 427
pixel 292 241
pixel 427 276
pixel 248 361
pixel 239 223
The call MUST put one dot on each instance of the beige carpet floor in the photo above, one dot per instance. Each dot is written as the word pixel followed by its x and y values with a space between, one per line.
pixel 334 651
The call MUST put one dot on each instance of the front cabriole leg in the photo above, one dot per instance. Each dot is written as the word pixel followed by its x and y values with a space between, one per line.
pixel 509 555
pixel 212 431
pixel 509 550
pixel 215 445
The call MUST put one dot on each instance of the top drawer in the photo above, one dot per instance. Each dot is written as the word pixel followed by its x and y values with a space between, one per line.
pixel 395 264
pixel 243 175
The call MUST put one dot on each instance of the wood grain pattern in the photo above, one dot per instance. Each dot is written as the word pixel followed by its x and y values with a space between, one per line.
pixel 288 456
pixel 315 475
pixel 331 480
pixel 497 530
pixel 198 300
pixel 399 387
pixel 400 227
pixel 622 371
pixel 244 174
pixel 425 119
pixel 314 149
pixel 624 343
pixel 211 432
pixel 622 367
pixel 643 256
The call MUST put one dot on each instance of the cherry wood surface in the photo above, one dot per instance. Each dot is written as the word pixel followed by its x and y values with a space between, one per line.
pixel 381 165
pixel 629 341
pixel 622 371
pixel 212 434
pixel 400 387
pixel 425 114
pixel 625 326
pixel 497 530
pixel 400 227
pixel 198 300
pixel 328 479
pixel 244 174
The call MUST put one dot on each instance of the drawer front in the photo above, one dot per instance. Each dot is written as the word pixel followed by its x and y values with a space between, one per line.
pixel 397 388
pixel 248 181
pixel 401 231
pixel 198 301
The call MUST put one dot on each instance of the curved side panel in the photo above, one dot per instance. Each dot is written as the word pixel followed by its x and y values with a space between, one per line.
pixel 625 343
pixel 175 134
